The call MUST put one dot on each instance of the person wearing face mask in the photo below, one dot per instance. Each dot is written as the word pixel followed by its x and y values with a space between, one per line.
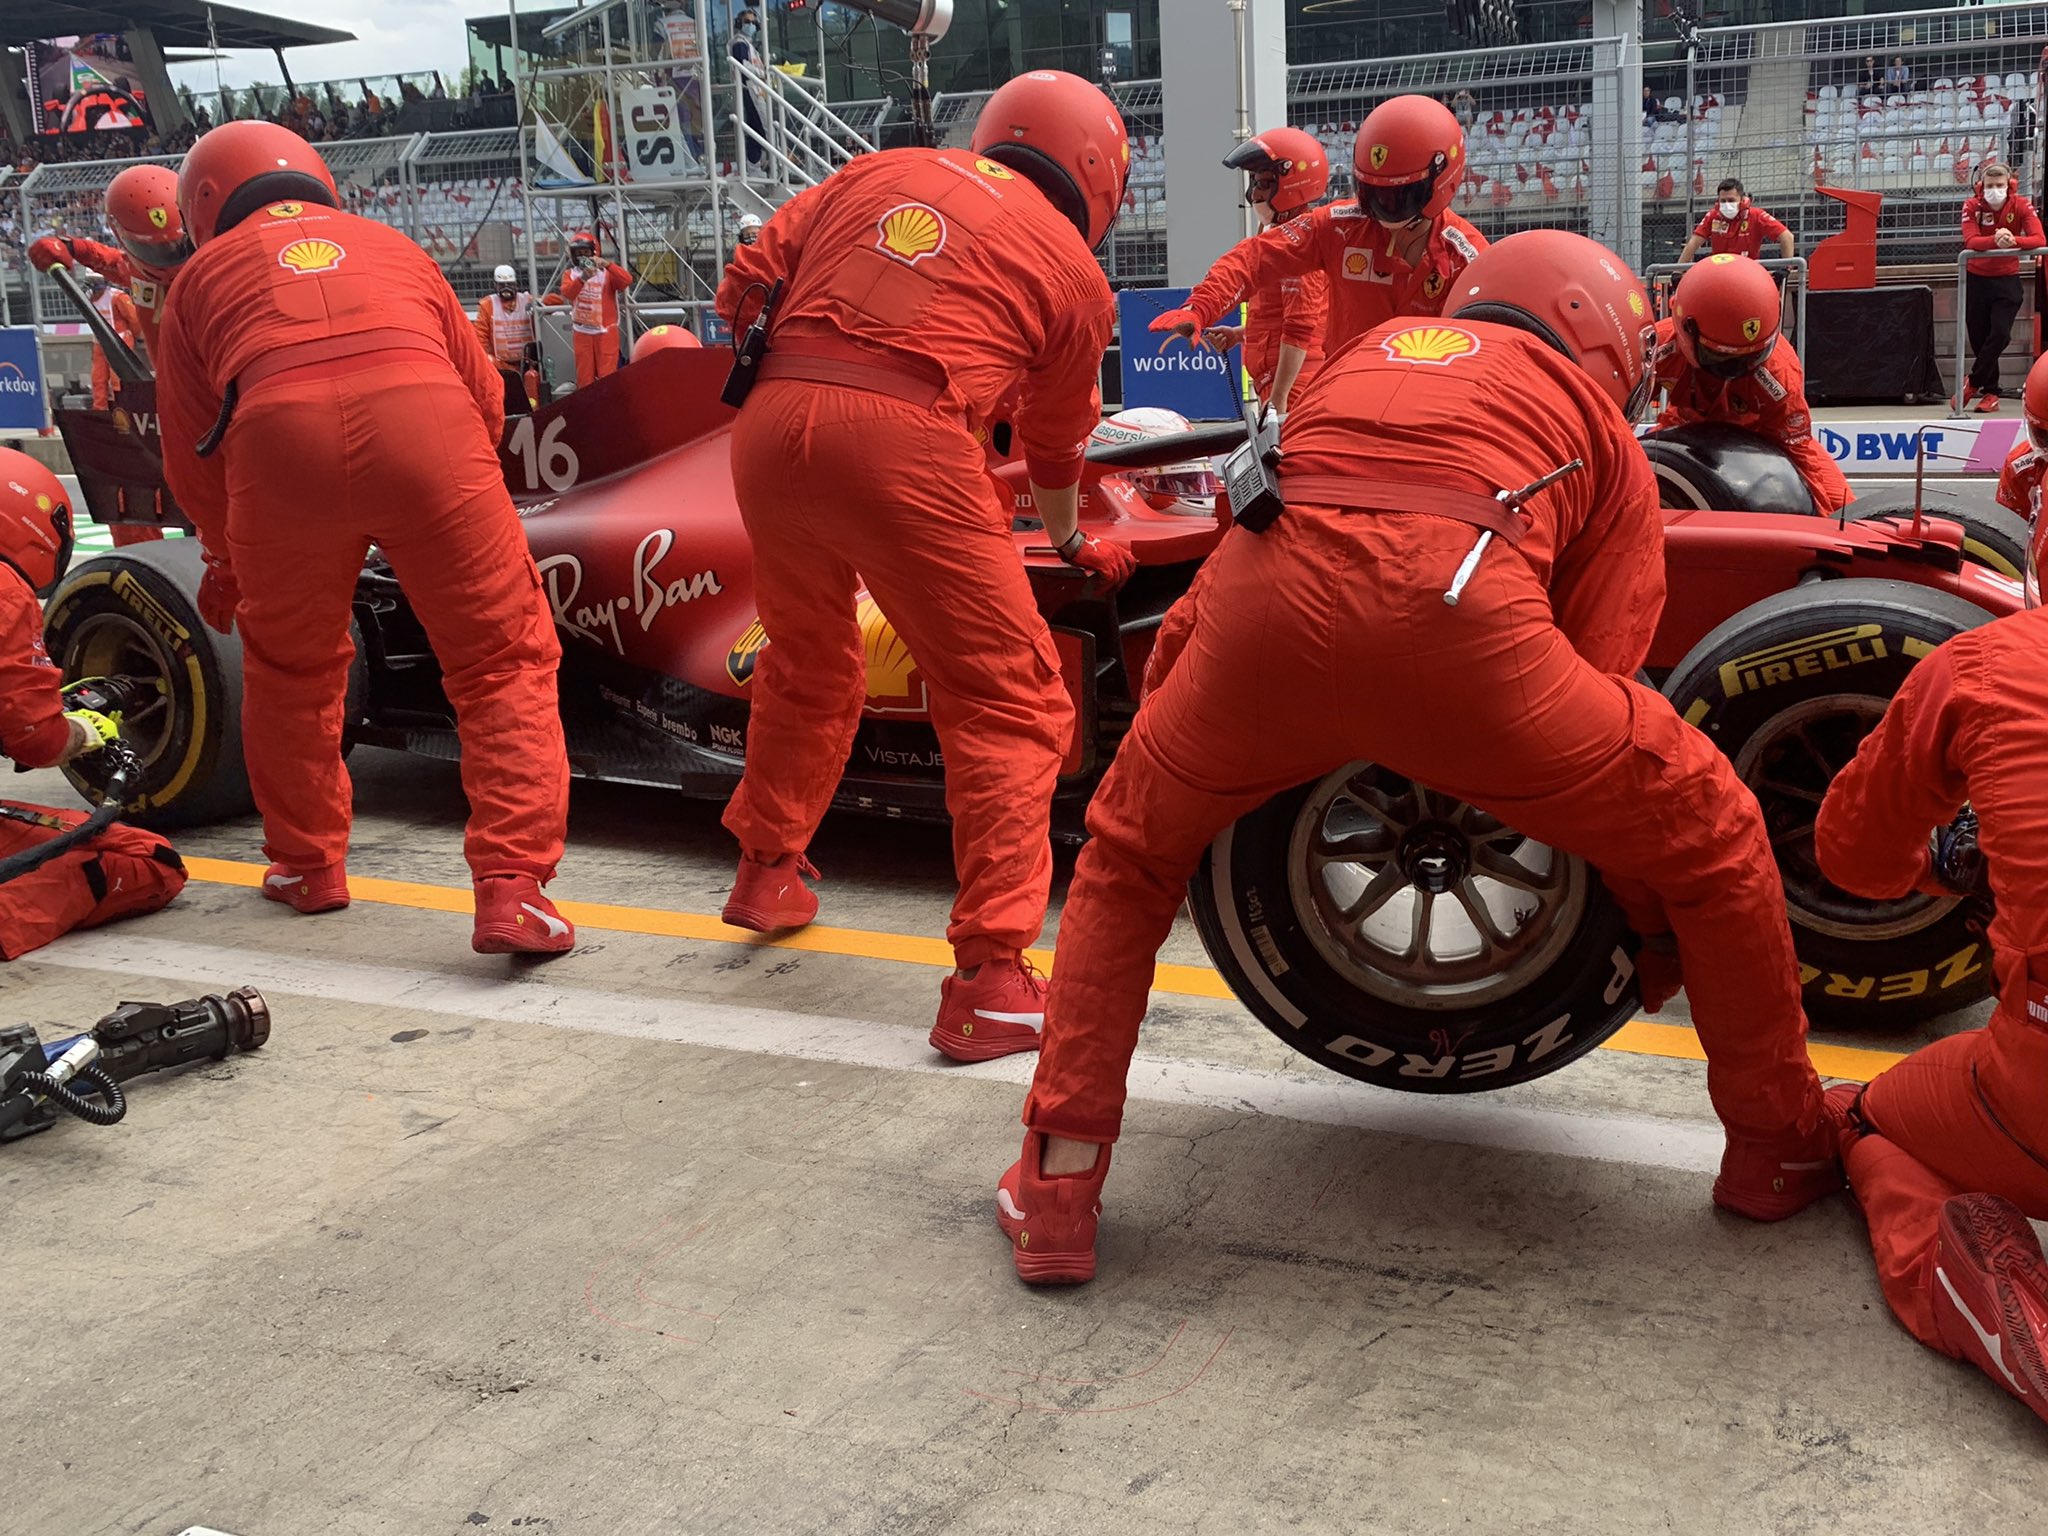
pixel 1283 332
pixel 1736 226
pixel 1395 250
pixel 746 26
pixel 1720 358
pixel 504 324
pixel 591 287
pixel 1996 218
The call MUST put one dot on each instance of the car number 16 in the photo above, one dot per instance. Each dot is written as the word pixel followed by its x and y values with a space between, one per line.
pixel 548 464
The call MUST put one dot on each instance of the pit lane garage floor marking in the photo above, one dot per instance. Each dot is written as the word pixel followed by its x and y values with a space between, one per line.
pixel 1323 1099
pixel 1639 1037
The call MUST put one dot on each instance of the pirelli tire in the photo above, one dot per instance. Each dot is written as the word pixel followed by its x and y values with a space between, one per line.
pixel 1788 688
pixel 1993 536
pixel 134 612
pixel 1710 467
pixel 1450 1017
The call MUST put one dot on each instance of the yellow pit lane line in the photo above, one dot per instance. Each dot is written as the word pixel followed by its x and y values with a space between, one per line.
pixel 1638 1037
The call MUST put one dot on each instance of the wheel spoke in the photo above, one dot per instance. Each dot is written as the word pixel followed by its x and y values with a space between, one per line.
pixel 1491 939
pixel 1789 791
pixel 1379 890
pixel 1370 846
pixel 1418 926
pixel 1496 866
pixel 1380 807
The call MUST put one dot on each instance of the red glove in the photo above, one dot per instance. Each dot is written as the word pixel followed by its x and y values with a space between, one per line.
pixel 1658 976
pixel 47 253
pixel 219 596
pixel 1182 322
pixel 1112 562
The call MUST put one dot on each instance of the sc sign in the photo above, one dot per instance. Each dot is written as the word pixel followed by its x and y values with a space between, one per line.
pixel 22 406
pixel 1198 383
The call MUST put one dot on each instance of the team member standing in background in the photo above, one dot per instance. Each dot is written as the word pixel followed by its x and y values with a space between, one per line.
pixel 1735 226
pixel 1995 218
pixel 591 289
pixel 504 324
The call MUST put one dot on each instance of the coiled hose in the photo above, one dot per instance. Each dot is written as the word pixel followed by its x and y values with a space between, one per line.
pixel 112 1106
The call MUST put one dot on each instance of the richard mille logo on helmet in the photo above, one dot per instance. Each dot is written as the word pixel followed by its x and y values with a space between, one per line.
pixel 1437 346
pixel 910 232
pixel 307 257
pixel 1378 156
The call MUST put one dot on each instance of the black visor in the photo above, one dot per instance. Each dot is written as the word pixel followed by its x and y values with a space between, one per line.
pixel 1397 205
pixel 1724 365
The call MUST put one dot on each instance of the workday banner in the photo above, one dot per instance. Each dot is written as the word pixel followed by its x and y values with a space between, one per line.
pixel 1198 383
pixel 21 381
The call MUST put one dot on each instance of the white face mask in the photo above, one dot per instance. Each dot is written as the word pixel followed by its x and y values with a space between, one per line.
pixel 1729 210
pixel 1995 196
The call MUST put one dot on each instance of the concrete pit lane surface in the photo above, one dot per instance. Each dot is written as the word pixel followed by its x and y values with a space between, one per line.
pixel 688 1232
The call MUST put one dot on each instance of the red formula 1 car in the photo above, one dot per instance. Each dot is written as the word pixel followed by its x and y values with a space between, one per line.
pixel 1784 637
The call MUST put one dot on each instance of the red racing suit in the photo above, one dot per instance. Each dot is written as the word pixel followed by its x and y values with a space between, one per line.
pixel 922 287
pixel 1743 235
pixel 149 292
pixel 1770 402
pixel 2019 480
pixel 1327 639
pixel 118 310
pixel 1981 226
pixel 1354 254
pixel 593 299
pixel 1967 1114
pixel 33 730
pixel 367 414
pixel 1285 309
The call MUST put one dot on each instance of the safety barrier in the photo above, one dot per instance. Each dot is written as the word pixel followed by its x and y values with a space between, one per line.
pixel 1963 261
pixel 1663 277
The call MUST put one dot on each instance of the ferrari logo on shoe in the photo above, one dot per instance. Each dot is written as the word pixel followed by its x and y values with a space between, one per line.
pixel 1437 346
pixel 1377 155
pixel 1752 328
pixel 910 232
pixel 308 257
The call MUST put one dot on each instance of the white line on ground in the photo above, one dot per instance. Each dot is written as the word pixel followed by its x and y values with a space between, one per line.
pixel 1324 1099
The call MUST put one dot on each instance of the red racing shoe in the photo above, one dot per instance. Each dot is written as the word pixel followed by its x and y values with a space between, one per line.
pixel 997 1012
pixel 1770 1181
pixel 514 918
pixel 1050 1222
pixel 1990 1289
pixel 307 890
pixel 769 895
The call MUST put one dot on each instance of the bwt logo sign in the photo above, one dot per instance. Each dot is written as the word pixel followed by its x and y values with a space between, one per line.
pixel 1878 447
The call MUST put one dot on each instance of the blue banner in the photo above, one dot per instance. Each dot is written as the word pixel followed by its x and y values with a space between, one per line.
pixel 1198 383
pixel 22 408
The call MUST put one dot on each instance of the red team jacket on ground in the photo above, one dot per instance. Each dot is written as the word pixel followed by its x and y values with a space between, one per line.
pixel 1743 235
pixel 1982 222
pixel 1770 402
pixel 2019 481
pixel 1368 283
pixel 1040 306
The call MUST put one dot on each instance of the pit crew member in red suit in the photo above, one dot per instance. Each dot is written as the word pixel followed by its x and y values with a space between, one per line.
pixel 1995 218
pixel 1392 251
pixel 1948 1150
pixel 142 208
pixel 38 730
pixel 922 285
pixel 1720 357
pixel 1287 174
pixel 1520 699
pixel 347 352
pixel 1735 226
pixel 504 324
pixel 591 289
pixel 2019 481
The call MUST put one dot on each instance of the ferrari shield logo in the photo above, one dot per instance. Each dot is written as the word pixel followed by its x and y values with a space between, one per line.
pixel 1752 328
pixel 160 217
pixel 1434 346
pixel 1378 156
pixel 281 210
pixel 1432 285
pixel 995 172
pixel 910 232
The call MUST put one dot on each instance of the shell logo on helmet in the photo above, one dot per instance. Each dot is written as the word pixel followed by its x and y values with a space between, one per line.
pixel 160 217
pixel 309 257
pixel 910 232
pixel 285 210
pixel 1435 346
pixel 1635 304
pixel 1378 157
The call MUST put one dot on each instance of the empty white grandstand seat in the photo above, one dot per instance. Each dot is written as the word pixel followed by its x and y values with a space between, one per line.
pixel 1894 166
pixel 1944 84
pixel 1827 93
pixel 2016 81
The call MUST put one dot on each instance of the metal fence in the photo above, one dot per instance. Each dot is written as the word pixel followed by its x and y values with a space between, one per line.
pixel 467 198
pixel 70 199
pixel 1789 107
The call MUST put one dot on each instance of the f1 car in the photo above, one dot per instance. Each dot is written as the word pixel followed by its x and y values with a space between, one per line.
pixel 1783 638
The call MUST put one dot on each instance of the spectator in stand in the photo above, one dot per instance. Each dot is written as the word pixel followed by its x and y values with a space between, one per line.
pixel 1898 78
pixel 1996 218
pixel 1654 111
pixel 1736 225
pixel 1870 79
pixel 440 91
pixel 1465 107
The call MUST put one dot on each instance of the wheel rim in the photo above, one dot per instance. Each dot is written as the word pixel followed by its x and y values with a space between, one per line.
pixel 114 645
pixel 1788 764
pixel 1422 900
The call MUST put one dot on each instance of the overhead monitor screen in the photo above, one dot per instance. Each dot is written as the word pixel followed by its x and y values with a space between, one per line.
pixel 83 85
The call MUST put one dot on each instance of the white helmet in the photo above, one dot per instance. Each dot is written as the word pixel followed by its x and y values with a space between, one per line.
pixel 504 275
pixel 1188 487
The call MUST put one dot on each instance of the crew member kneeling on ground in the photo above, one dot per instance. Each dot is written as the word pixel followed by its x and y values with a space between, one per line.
pixel 1948 1151
pixel 122 872
pixel 1720 357
pixel 504 324
pixel 363 411
pixel 921 286
pixel 1328 638
pixel 2019 480
pixel 1396 249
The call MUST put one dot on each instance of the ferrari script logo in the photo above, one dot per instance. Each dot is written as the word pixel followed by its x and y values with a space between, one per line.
pixel 1437 346
pixel 1378 156
pixel 307 257
pixel 285 210
pixel 1752 328
pixel 911 232
pixel 160 217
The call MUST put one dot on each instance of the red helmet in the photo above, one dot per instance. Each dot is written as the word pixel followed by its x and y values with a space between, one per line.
pixel 2034 405
pixel 142 205
pixel 1409 159
pixel 1066 138
pixel 582 240
pixel 238 168
pixel 1289 166
pixel 35 520
pixel 1725 315
pixel 665 338
pixel 1573 293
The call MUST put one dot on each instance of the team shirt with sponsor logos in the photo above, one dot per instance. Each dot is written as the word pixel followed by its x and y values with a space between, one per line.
pixel 2019 480
pixel 1982 224
pixel 1743 235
